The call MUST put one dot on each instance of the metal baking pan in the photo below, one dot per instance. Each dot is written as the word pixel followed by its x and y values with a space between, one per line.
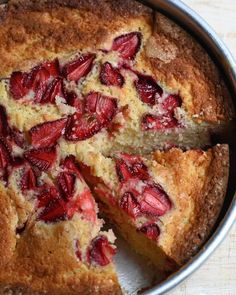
pixel 132 274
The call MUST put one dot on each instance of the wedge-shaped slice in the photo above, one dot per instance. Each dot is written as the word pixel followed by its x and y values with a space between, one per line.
pixel 50 238
pixel 165 205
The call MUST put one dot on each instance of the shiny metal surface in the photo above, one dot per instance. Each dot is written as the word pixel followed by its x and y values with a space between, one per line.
pixel 192 22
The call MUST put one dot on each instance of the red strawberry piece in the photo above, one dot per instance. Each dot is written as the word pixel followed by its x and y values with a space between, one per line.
pixel 47 194
pixel 78 250
pixel 151 230
pixel 4 127
pixel 154 200
pixel 152 122
pixel 105 107
pixel 66 183
pixel 73 100
pixel 55 88
pixel 47 134
pixel 5 156
pixel 52 67
pixel 171 103
pixel 149 91
pixel 78 68
pixel 29 179
pixel 42 158
pixel 130 205
pixel 111 76
pixel 18 88
pixel 86 205
pixel 127 45
pixel 128 166
pixel 37 76
pixel 101 251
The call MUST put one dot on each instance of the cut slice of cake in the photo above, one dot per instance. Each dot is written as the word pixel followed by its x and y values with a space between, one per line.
pixel 165 205
pixel 50 239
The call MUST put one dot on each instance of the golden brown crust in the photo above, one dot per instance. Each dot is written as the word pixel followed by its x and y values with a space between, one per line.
pixel 182 64
pixel 37 30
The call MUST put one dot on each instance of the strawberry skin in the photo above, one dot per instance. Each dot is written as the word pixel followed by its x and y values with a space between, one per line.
pixel 151 230
pixel 46 134
pixel 129 204
pixel 43 158
pixel 127 45
pixel 152 122
pixel 18 88
pixel 78 68
pixel 111 76
pixel 29 179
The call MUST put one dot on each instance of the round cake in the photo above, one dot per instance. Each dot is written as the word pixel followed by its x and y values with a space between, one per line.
pixel 109 105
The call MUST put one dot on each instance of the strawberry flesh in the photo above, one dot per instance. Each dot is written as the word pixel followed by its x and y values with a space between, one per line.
pixel 101 251
pixel 18 137
pixel 154 200
pixel 162 122
pixel 66 183
pixel 86 205
pixel 128 166
pixel 42 158
pixel 52 67
pixel 73 100
pixel 4 128
pixel 99 111
pixel 29 179
pixel 127 45
pixel 151 230
pixel 111 76
pixel 46 134
pixel 78 68
pixel 171 103
pixel 130 205
pixel 18 88
pixel 55 88
pixel 78 250
pixel 149 91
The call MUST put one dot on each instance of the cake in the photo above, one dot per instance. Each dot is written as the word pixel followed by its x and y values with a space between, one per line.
pixel 101 107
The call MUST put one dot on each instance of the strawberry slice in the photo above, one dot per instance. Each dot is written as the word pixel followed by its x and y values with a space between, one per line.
pixel 130 205
pixel 78 68
pixel 73 100
pixel 78 250
pixel 42 158
pixel 29 179
pixel 99 111
pixel 127 45
pixel 17 87
pixel 128 166
pixel 18 137
pixel 154 200
pixel 52 67
pixel 151 230
pixel 101 251
pixel 152 122
pixel 46 134
pixel 4 127
pixel 86 205
pixel 149 91
pixel 70 165
pixel 66 183
pixel 104 107
pixel 37 76
pixel 55 88
pixel 111 76
pixel 171 103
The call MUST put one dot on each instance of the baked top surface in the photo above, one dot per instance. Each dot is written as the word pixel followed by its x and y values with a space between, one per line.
pixel 33 32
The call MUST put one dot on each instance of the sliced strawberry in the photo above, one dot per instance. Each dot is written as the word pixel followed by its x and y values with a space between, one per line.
pixel 86 205
pixel 128 166
pixel 48 194
pixel 149 91
pixel 55 211
pixel 18 88
pixel 4 127
pixel 37 76
pixel 78 68
pixel 171 103
pixel 154 200
pixel 47 134
pixel 101 251
pixel 52 67
pixel 18 137
pixel 111 76
pixel 127 45
pixel 152 122
pixel 73 100
pixel 130 205
pixel 43 158
pixel 70 165
pixel 29 179
pixel 151 230
pixel 105 107
pixel 78 250
pixel 66 183
pixel 55 88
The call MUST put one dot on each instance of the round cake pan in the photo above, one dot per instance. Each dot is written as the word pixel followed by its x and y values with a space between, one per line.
pixel 198 28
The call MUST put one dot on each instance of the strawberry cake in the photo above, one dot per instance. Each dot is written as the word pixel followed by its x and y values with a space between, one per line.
pixel 101 107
